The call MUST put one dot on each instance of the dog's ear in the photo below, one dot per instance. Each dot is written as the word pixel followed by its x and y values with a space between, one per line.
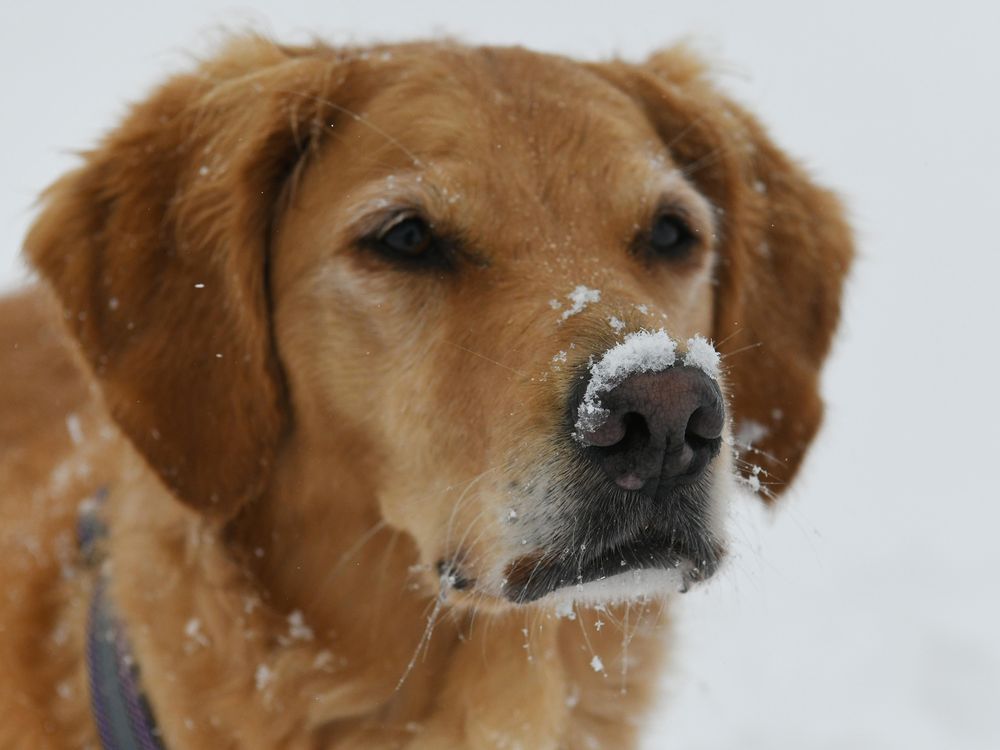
pixel 785 249
pixel 157 250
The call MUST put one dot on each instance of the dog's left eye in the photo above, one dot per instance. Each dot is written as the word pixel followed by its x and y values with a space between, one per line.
pixel 408 237
pixel 670 237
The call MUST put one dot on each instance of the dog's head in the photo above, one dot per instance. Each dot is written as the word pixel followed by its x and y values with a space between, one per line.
pixel 491 274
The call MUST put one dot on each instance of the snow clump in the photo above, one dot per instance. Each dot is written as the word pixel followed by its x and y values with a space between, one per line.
pixel 297 628
pixel 642 351
pixel 263 677
pixel 701 354
pixel 581 297
pixel 748 433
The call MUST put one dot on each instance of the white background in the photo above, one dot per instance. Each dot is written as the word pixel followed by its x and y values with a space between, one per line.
pixel 866 612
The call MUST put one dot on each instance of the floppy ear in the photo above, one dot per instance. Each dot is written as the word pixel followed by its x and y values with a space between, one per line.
pixel 785 251
pixel 157 250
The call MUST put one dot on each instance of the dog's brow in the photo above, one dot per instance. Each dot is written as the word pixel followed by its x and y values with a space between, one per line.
pixel 410 191
pixel 669 187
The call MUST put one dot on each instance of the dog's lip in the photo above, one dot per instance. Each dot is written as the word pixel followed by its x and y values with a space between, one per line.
pixel 533 576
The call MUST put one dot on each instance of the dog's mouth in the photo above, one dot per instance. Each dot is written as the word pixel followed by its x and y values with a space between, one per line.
pixel 533 576
pixel 606 545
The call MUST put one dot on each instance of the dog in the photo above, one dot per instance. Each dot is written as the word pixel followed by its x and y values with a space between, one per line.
pixel 384 397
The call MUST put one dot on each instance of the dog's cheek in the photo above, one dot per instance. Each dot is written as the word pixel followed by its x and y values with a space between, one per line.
pixel 449 436
pixel 349 341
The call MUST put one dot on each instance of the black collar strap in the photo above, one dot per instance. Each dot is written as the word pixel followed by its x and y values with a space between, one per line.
pixel 122 715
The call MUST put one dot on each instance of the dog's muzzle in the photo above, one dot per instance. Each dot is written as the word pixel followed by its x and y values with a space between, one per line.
pixel 641 478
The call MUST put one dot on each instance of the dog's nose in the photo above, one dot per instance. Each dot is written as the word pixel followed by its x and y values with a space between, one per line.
pixel 661 430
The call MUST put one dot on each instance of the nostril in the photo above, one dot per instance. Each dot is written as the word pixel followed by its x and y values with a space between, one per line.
pixel 705 424
pixel 620 434
pixel 636 432
pixel 702 450
pixel 623 461
pixel 703 436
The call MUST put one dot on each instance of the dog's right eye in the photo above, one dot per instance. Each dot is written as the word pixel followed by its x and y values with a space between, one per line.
pixel 407 240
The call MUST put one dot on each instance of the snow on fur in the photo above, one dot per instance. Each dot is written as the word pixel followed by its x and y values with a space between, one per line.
pixel 581 296
pixel 635 585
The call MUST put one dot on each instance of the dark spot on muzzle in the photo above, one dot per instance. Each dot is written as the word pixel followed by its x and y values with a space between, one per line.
pixel 450 571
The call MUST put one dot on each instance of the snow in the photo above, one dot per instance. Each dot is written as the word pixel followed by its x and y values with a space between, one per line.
pixel 195 635
pixel 596 664
pixel 635 585
pixel 747 432
pixel 573 697
pixel 642 351
pixel 323 660
pixel 752 480
pixel 701 354
pixel 297 628
pixel 564 610
pixel 580 297
pixel 861 613
pixel 74 429
pixel 263 677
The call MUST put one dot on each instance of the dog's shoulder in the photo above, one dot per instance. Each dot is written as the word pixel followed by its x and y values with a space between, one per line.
pixel 41 383
pixel 47 413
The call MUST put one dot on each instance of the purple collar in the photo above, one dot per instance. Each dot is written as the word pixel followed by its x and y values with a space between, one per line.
pixel 122 715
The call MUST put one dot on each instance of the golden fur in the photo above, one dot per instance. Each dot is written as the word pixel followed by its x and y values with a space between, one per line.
pixel 292 432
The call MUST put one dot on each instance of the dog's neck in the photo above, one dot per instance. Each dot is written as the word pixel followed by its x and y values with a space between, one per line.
pixel 303 621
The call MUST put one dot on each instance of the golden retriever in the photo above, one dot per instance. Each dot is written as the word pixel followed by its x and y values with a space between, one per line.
pixel 385 375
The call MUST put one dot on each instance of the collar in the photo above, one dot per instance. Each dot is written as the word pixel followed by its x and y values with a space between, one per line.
pixel 120 710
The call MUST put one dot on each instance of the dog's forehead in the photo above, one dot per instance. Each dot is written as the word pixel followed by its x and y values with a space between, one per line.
pixel 540 122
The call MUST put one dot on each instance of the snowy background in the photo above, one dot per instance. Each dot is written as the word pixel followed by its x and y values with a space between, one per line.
pixel 866 612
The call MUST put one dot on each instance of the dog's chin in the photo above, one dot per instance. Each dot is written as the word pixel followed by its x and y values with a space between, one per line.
pixel 650 548
pixel 639 572
pixel 638 569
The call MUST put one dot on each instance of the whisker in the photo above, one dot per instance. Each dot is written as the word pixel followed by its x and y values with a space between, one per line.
pixel 425 640
pixel 708 160
pixel 765 454
pixel 531 575
pixel 465 492
pixel 346 558
pixel 488 359
pixel 727 355
pixel 383 575
pixel 682 133
pixel 583 630
pixel 626 640
pixel 730 336
pixel 357 117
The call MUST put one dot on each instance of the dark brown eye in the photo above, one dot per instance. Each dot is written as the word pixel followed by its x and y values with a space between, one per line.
pixel 671 238
pixel 409 237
